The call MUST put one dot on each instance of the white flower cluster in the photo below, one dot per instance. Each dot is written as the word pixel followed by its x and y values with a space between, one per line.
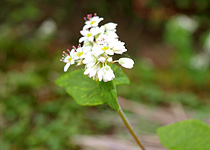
pixel 99 46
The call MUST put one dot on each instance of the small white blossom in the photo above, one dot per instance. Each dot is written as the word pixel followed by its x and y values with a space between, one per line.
pixel 92 71
pixel 79 53
pixel 118 46
pixel 69 60
pixel 106 74
pixel 111 26
pixel 109 59
pixel 88 35
pixel 126 62
pixel 87 49
pixel 111 34
pixel 100 49
pixel 92 21
pixel 102 59
pixel 90 60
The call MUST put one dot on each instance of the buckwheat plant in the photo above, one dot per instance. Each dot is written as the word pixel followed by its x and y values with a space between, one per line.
pixel 95 84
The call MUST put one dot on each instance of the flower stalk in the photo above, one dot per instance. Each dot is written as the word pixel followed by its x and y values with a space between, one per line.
pixel 129 127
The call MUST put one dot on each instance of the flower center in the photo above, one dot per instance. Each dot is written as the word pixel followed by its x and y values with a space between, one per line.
pixel 92 22
pixel 69 59
pixel 105 48
pixel 89 34
pixel 79 54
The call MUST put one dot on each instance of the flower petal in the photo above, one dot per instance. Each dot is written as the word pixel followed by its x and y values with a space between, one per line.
pixel 66 67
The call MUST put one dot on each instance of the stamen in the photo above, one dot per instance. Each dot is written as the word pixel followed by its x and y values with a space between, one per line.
pixel 73 47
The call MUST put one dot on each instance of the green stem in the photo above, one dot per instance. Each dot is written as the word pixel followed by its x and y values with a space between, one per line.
pixel 128 125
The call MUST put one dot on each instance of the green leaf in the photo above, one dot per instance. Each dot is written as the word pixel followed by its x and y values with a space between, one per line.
pixel 86 91
pixel 109 92
pixel 185 135
pixel 120 77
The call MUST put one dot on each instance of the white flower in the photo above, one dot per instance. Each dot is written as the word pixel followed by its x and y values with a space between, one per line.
pixel 93 22
pixel 118 46
pixel 87 49
pixel 79 53
pixel 107 50
pixel 111 26
pixel 111 30
pixel 109 59
pixel 88 35
pixel 102 30
pixel 90 60
pixel 92 71
pixel 100 49
pixel 68 60
pixel 102 39
pixel 126 62
pixel 102 59
pixel 102 46
pixel 111 34
pixel 106 74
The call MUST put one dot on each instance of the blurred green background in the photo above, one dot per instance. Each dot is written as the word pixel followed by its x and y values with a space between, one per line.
pixel 169 41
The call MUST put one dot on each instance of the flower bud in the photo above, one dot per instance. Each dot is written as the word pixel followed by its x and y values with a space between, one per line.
pixel 126 62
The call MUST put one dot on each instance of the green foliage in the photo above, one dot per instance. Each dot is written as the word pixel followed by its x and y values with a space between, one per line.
pixel 108 92
pixel 180 38
pixel 185 135
pixel 47 125
pixel 157 86
pixel 86 91
pixel 120 77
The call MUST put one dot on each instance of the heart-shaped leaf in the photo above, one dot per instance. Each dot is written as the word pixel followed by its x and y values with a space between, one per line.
pixel 86 91
pixel 185 135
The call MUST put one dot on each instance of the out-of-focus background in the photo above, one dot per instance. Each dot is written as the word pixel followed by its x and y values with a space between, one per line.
pixel 169 41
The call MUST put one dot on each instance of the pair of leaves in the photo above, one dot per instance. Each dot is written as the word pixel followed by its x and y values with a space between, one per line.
pixel 86 91
pixel 185 135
